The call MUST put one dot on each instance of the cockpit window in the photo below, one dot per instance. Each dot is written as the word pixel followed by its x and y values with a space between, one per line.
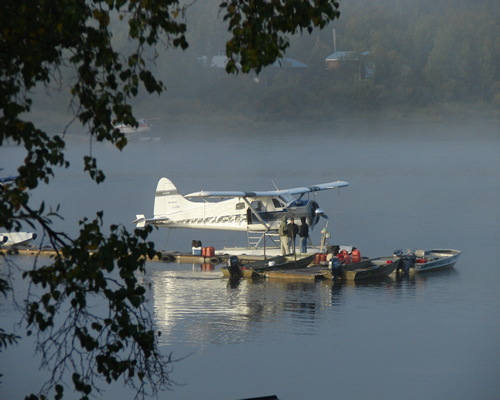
pixel 257 205
pixel 286 199
pixel 277 203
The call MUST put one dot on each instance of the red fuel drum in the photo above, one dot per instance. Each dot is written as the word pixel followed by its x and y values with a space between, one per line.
pixel 344 257
pixel 356 256
pixel 208 252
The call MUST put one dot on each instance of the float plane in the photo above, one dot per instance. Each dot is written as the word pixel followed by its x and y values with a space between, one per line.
pixel 234 211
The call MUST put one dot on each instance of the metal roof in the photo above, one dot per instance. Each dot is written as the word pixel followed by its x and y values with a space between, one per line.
pixel 343 55
pixel 287 62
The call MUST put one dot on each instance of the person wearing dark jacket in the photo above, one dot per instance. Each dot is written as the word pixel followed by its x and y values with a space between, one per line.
pixel 292 230
pixel 304 235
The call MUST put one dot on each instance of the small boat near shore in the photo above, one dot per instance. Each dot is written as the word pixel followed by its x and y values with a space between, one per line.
pixel 236 269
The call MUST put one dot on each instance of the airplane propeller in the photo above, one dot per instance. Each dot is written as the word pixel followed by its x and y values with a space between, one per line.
pixel 318 213
pixel 315 214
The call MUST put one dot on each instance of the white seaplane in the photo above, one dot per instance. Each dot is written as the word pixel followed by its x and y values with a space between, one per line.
pixel 234 211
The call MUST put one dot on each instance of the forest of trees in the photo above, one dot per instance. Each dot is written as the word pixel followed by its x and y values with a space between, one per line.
pixel 423 53
pixel 434 56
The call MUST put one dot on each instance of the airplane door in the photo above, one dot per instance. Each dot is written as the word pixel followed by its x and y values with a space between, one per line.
pixel 258 207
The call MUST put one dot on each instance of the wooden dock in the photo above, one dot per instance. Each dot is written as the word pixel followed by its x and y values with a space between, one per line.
pixel 182 258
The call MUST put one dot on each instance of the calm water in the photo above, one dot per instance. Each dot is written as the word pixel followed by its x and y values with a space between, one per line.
pixel 433 336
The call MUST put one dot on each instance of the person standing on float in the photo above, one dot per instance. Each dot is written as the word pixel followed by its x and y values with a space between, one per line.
pixel 304 234
pixel 292 230
pixel 283 237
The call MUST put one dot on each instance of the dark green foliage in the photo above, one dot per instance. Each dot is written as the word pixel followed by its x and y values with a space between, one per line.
pixel 121 343
pixel 42 44
pixel 6 338
pixel 257 28
pixel 420 53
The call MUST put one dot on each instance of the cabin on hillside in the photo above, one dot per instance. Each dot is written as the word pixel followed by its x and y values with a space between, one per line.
pixel 355 65
pixel 288 64
pixel 220 62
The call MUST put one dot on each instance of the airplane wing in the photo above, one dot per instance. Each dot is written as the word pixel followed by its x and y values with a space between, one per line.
pixel 298 190
pixel 222 194
pixel 316 188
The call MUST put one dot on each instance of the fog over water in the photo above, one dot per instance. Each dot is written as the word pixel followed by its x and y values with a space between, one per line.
pixel 416 185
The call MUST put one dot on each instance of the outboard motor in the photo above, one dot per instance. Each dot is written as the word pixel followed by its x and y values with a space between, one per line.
pixel 334 267
pixel 407 261
pixel 233 266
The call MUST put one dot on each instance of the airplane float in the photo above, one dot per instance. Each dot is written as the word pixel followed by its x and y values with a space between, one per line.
pixel 14 239
pixel 234 211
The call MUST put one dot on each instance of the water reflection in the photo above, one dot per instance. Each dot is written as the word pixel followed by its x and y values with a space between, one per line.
pixel 195 305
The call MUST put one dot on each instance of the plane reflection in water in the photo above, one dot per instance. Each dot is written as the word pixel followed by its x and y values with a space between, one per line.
pixel 196 307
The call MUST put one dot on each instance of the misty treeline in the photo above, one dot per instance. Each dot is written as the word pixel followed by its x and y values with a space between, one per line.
pixel 422 54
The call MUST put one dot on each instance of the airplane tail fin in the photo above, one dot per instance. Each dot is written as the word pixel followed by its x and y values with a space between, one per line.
pixel 168 199
pixel 140 221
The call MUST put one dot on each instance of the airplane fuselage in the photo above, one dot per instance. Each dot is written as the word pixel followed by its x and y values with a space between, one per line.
pixel 233 214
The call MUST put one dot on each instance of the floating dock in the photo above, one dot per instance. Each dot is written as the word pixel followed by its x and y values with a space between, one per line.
pixel 167 256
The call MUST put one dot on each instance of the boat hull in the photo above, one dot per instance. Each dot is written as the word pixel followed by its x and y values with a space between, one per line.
pixel 375 271
pixel 303 274
pixel 259 268
pixel 373 268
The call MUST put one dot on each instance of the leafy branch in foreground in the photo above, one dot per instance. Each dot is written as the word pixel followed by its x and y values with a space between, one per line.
pixel 40 41
pixel 258 28
pixel 6 339
pixel 119 344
